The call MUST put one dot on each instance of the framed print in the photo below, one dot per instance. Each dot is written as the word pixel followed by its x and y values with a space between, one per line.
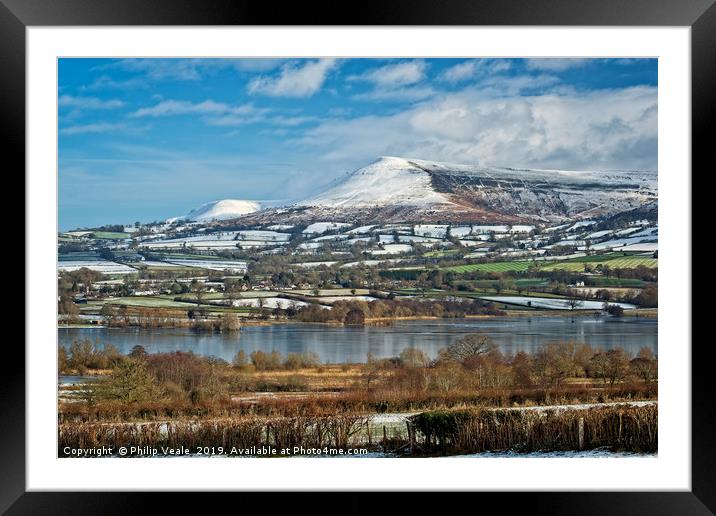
pixel 417 250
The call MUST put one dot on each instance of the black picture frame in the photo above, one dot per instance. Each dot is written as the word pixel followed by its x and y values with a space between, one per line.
pixel 700 15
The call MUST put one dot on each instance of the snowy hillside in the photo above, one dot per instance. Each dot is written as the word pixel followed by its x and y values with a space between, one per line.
pixel 222 210
pixel 387 181
pixel 438 190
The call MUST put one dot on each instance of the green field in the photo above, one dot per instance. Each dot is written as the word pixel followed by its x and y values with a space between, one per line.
pixel 613 260
pixel 149 302
pixel 109 235
pixel 78 256
pixel 520 282
pixel 623 262
pixel 617 282
pixel 516 266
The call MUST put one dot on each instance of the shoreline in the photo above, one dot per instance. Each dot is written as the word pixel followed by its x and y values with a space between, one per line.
pixel 651 313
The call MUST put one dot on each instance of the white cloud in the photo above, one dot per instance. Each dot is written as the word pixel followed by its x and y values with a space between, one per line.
pixel 214 113
pixel 603 129
pixel 221 114
pixel 91 128
pixel 294 80
pixel 395 82
pixel 473 68
pixel 556 64
pixel 68 101
pixel 189 69
pixel 409 94
pixel 394 75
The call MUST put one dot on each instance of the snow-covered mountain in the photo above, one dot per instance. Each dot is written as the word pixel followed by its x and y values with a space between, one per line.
pixel 393 189
pixel 402 187
pixel 385 182
pixel 224 209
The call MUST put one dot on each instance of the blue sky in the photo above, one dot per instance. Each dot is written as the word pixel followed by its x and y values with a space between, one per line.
pixel 148 139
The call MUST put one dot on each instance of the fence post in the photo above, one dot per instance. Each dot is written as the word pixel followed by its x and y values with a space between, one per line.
pixel 385 439
pixel 581 433
pixel 411 436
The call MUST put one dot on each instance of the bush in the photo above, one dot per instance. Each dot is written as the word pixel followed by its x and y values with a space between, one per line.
pixel 263 361
pixel 230 322
pixel 354 317
pixel 301 360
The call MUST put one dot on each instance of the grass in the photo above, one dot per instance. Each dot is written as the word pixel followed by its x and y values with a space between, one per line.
pixel 521 282
pixel 617 282
pixel 623 262
pixel 613 260
pixel 110 235
pixel 150 302
pixel 516 266
pixel 79 256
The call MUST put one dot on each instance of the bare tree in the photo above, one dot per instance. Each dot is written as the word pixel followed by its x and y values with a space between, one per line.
pixel 645 365
pixel 199 290
pixel 574 301
pixel 468 347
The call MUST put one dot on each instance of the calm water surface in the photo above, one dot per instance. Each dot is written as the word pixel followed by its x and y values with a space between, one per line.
pixel 338 344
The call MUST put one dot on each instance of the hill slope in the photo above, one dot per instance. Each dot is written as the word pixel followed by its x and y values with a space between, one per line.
pixel 393 189
pixel 222 210
pixel 400 188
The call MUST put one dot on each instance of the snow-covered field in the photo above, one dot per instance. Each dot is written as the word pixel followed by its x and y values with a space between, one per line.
pixel 270 236
pixel 490 229
pixel 550 303
pixel 598 234
pixel 152 263
pixel 203 245
pixel 250 244
pixel 361 230
pixel 644 246
pixel 221 240
pixel 431 230
pixel 521 228
pixel 269 302
pixel 214 265
pixel 332 299
pixel 309 246
pixel 330 238
pixel 103 266
pixel 392 249
pixel 318 228
pixel 620 243
pixel 581 224
pixel 389 239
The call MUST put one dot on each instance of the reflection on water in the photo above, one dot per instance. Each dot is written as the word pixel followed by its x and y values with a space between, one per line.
pixel 338 344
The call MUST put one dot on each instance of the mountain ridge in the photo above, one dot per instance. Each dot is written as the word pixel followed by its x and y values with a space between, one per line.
pixel 395 189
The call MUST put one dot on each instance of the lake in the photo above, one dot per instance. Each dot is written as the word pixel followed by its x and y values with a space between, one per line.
pixel 339 344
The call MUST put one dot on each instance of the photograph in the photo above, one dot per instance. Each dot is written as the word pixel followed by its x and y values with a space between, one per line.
pixel 357 257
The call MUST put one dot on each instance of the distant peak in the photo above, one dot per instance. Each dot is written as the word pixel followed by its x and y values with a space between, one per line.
pixel 394 160
pixel 222 209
